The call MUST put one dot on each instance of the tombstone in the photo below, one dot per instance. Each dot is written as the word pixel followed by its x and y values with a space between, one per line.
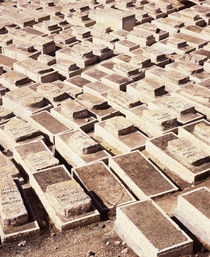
pixel 148 222
pixel 193 211
pixel 106 199
pixel 78 149
pixel 119 134
pixel 140 175
pixel 68 198
pixel 180 157
pixel 12 209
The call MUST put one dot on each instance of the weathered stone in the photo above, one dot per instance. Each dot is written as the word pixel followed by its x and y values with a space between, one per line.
pixel 12 209
pixel 74 109
pixel 68 198
pixel 185 150
pixel 119 126
pixel 41 160
pixel 20 130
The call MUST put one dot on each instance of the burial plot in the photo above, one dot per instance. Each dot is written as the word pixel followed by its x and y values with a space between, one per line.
pixel 171 79
pixel 34 156
pixel 24 102
pixel 180 156
pixel 120 133
pixel 152 122
pixel 75 115
pixel 96 88
pixel 147 89
pixel 193 211
pixel 97 105
pixel 7 167
pixel 5 115
pixel 116 81
pixel 78 149
pixel 14 79
pixel 36 71
pixel 55 92
pixel 197 132
pixel 16 217
pixel 148 231
pixel 48 125
pixel 93 75
pixel 66 203
pixel 16 132
pixel 105 189
pixel 77 82
pixel 198 96
pixel 141 176
pixel 180 107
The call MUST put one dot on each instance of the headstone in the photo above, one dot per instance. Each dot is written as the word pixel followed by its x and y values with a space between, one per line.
pixel 12 209
pixel 187 152
pixel 68 198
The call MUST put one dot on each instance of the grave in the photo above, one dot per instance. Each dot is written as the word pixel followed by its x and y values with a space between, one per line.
pixel 192 210
pixel 141 225
pixel 106 199
pixel 120 134
pixel 197 132
pixel 142 177
pixel 34 156
pixel 24 102
pixel 48 125
pixel 178 106
pixel 17 131
pixel 152 122
pixel 180 156
pixel 16 216
pixel 78 149
pixel 64 200
pixel 75 115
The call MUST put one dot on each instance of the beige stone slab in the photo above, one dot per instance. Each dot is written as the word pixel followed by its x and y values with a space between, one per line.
pixel 158 147
pixel 198 133
pixel 13 79
pixel 78 149
pixel 132 140
pixel 48 125
pixel 68 198
pixel 140 175
pixel 143 217
pixel 7 167
pixel 188 153
pixel 116 81
pixel 33 156
pixel 106 199
pixel 92 102
pixel 20 130
pixel 26 97
pixel 119 99
pixel 158 123
pixel 125 46
pixel 74 109
pixel 192 210
pixel 40 160
pixel 183 109
pixel 12 209
pixel 197 96
pixel 47 185
pixel 5 114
